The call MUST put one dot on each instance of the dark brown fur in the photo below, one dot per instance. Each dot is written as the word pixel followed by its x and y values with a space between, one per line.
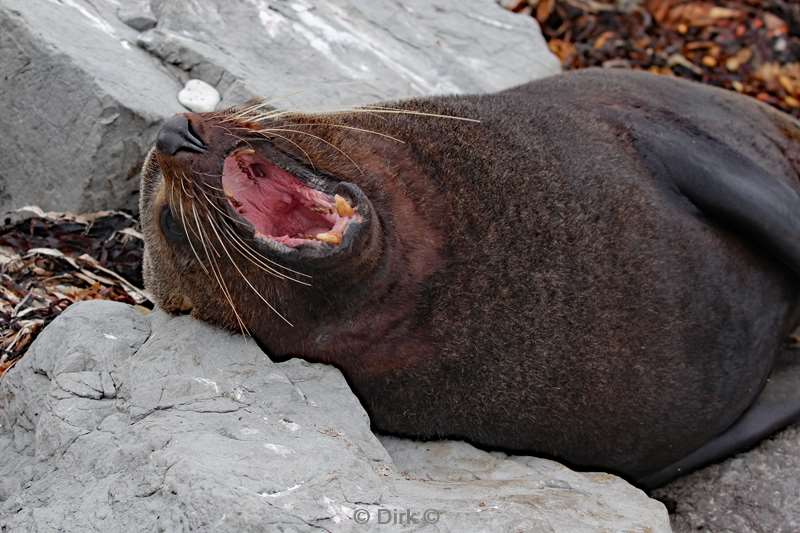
pixel 531 284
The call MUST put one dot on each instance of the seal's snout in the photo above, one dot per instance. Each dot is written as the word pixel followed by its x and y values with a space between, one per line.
pixel 177 134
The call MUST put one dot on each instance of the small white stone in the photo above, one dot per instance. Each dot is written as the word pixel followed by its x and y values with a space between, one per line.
pixel 199 96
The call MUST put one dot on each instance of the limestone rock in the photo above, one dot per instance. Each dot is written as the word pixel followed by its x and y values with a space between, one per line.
pixel 116 421
pixel 84 92
pixel 137 14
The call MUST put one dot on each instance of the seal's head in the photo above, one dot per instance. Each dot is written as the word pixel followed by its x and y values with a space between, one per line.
pixel 220 196
pixel 257 221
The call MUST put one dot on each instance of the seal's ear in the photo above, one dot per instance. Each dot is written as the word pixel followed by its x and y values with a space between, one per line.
pixel 726 187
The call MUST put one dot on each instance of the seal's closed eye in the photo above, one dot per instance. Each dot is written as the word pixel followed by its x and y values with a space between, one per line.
pixel 170 227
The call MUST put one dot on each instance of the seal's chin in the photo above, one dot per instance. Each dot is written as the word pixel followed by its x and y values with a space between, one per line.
pixel 282 208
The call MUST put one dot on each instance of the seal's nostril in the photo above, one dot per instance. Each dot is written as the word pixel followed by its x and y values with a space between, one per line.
pixel 178 134
pixel 193 135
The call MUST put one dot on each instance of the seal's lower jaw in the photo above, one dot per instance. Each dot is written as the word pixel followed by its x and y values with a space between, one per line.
pixel 288 213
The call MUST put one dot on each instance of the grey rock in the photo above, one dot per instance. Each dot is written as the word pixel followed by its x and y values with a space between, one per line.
pixel 84 90
pixel 80 105
pixel 754 492
pixel 137 14
pixel 116 421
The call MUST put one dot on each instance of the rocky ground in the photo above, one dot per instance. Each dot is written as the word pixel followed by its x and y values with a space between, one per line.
pixel 122 420
pixel 754 492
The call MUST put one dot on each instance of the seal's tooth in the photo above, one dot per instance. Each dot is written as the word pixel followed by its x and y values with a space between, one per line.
pixel 330 237
pixel 343 207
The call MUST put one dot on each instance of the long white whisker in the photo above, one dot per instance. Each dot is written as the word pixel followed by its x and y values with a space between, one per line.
pixel 246 280
pixel 253 257
pixel 322 124
pixel 220 280
pixel 223 213
pixel 242 244
pixel 308 157
pixel 270 130
pixel 400 111
pixel 189 238
pixel 381 110
pixel 183 187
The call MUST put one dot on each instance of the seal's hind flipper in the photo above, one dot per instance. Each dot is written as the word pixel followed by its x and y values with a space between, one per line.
pixel 727 187
pixel 776 407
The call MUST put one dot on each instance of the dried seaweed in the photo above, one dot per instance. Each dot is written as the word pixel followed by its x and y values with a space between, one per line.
pixel 49 261
pixel 748 46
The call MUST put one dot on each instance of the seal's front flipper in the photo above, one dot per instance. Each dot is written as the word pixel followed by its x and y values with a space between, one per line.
pixel 727 187
pixel 776 407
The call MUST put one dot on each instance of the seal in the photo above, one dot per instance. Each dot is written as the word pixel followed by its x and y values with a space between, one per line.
pixel 599 267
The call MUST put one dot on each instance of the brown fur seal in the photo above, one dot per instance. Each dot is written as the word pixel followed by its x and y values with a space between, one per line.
pixel 601 270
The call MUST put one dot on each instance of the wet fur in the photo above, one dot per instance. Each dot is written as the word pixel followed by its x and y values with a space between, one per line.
pixel 533 284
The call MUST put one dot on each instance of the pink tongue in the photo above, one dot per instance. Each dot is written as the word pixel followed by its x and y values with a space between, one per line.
pixel 276 203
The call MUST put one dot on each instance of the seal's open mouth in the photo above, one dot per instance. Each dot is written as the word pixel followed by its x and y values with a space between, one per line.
pixel 280 206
